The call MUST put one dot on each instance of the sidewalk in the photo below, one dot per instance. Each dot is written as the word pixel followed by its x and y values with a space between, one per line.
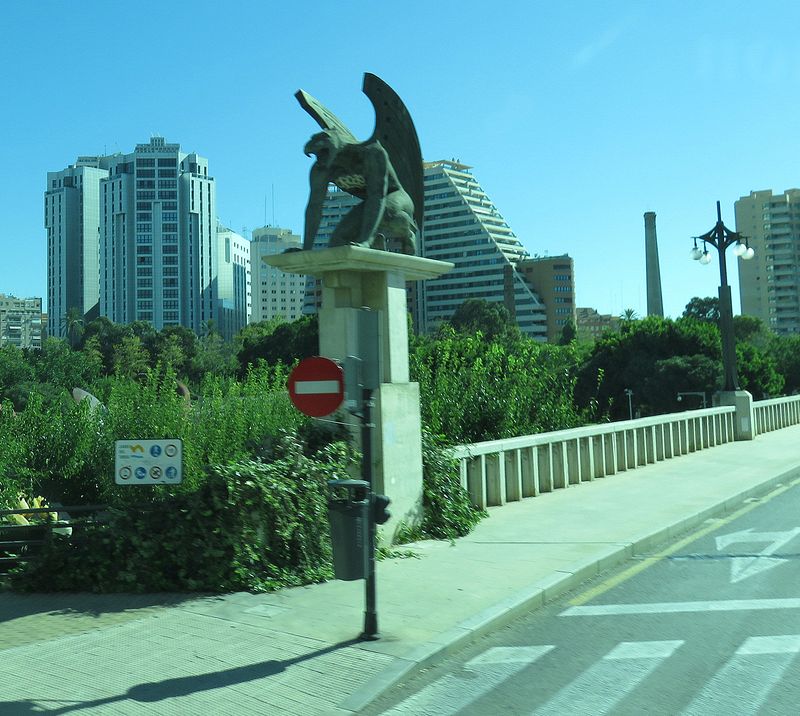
pixel 294 652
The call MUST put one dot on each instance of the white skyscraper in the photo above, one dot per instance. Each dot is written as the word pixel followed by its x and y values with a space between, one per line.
pixel 72 220
pixel 158 243
pixel 275 293
pixel 233 282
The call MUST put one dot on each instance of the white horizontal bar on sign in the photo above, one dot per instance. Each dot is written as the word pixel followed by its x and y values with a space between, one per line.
pixel 312 387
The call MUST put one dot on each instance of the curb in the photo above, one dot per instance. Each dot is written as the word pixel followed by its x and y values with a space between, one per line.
pixel 538 594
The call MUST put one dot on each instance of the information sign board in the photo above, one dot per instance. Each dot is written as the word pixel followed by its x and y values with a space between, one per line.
pixel 148 462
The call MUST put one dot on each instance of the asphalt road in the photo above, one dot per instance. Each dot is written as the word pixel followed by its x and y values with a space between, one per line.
pixel 707 625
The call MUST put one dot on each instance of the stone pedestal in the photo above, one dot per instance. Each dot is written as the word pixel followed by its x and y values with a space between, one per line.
pixel 353 278
pixel 744 428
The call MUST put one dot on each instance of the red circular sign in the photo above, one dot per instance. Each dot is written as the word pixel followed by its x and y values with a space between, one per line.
pixel 316 386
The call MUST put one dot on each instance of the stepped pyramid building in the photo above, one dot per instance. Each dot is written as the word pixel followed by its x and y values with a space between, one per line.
pixel 462 225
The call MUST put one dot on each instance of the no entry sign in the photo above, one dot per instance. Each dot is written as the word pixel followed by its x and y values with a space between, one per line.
pixel 316 386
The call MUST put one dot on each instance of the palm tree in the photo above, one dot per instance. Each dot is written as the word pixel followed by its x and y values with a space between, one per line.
pixel 72 326
pixel 629 315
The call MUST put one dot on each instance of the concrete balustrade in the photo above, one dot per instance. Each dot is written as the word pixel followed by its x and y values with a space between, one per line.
pixel 500 471
pixel 776 413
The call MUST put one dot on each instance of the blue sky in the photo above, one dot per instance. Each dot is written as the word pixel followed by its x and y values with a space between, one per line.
pixel 577 116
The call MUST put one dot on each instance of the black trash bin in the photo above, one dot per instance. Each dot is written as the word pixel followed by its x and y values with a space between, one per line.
pixel 348 513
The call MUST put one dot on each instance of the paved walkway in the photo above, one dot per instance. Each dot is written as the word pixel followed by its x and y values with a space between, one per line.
pixel 294 652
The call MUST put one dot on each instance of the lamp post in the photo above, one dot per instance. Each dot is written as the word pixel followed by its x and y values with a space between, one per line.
pixel 629 393
pixel 692 392
pixel 721 237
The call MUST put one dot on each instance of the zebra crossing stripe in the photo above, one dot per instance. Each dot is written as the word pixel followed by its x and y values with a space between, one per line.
pixel 742 685
pixel 452 693
pixel 603 685
pixel 721 605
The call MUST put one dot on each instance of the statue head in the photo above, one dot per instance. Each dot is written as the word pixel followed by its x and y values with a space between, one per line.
pixel 325 145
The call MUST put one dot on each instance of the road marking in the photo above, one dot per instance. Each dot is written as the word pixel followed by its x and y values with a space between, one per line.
pixel 722 605
pixel 626 574
pixel 601 687
pixel 452 693
pixel 744 567
pixel 742 685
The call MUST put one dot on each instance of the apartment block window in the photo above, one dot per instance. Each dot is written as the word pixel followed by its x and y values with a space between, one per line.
pixel 167 162
pixel 144 162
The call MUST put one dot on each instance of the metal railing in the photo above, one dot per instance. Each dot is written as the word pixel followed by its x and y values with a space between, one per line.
pixel 20 542
pixel 776 413
pixel 500 471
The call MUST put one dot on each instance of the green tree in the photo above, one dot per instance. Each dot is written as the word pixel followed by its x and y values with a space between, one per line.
pixel 130 359
pixel 628 360
pixel 109 335
pixel 72 324
pixel 688 373
pixel 785 351
pixel 490 318
pixel 628 316
pixel 758 372
pixel 751 329
pixel 568 333
pixel 278 342
pixel 703 309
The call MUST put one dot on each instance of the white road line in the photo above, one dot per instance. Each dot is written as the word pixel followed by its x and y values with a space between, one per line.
pixel 723 605
pixel 601 687
pixel 742 685
pixel 451 693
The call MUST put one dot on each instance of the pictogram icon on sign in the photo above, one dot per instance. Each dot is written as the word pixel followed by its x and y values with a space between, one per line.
pixel 316 386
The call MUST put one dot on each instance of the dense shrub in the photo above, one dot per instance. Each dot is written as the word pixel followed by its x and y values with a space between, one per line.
pixel 249 526
pixel 447 509
pixel 472 389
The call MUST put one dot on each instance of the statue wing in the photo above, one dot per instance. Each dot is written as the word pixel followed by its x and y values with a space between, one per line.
pixel 322 115
pixel 395 130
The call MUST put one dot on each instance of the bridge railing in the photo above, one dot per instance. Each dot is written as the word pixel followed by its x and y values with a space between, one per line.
pixel 500 471
pixel 776 413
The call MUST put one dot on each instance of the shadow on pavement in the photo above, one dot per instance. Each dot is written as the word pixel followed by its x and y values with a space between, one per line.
pixel 14 605
pixel 155 691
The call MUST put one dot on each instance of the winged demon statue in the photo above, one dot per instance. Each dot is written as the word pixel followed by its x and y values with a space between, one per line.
pixel 385 172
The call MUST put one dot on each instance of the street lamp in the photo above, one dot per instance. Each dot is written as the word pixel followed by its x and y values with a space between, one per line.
pixel 692 392
pixel 629 393
pixel 721 237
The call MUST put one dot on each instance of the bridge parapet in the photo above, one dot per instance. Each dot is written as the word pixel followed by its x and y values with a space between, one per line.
pixel 500 471
pixel 776 413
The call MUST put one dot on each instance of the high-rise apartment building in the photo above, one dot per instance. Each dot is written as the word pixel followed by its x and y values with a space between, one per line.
pixel 769 284
pixel 275 293
pixel 233 282
pixel 133 237
pixel 553 280
pixel 463 226
pixel 72 220
pixel 20 322
pixel 158 244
